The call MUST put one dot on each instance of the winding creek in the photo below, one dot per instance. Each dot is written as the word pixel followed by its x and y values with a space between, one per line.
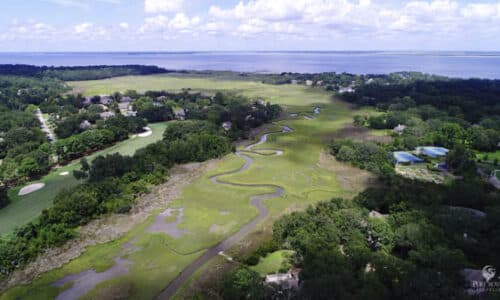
pixel 85 281
pixel 257 201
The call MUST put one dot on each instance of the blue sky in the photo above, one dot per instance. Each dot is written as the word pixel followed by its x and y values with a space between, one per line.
pixel 204 25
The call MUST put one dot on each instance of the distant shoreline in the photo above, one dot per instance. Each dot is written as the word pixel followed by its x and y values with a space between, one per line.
pixel 456 64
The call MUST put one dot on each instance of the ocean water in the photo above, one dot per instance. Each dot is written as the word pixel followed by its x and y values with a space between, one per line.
pixel 453 64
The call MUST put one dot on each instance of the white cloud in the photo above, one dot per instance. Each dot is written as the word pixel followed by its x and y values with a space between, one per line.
pixel 162 6
pixel 157 23
pixel 31 31
pixel 82 28
pixel 182 22
pixel 482 11
pixel 82 4
pixel 327 22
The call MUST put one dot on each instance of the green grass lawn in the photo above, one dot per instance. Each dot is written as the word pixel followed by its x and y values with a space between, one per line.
pixel 490 155
pixel 213 212
pixel 273 262
pixel 23 209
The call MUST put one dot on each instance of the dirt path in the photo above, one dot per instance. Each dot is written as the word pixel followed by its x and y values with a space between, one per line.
pixel 45 127
pixel 257 201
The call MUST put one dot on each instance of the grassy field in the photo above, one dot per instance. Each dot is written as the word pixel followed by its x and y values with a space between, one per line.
pixel 491 156
pixel 273 262
pixel 291 95
pixel 25 208
pixel 213 212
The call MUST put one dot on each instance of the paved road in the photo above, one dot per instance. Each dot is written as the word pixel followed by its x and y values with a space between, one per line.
pixel 256 201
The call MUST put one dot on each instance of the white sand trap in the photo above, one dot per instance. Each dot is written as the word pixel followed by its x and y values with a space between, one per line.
pixel 31 188
pixel 279 152
pixel 147 133
pixel 64 173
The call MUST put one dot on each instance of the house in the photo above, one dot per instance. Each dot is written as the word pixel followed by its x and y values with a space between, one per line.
pixel 106 100
pixel 309 82
pixel 87 100
pixel 85 125
pixel 227 125
pixel 106 115
pixel 161 98
pixel 130 113
pixel 288 280
pixel 126 99
pixel 432 151
pixel 294 81
pixel 346 89
pixel 399 129
pixel 124 106
pixel 375 214
pixel 180 114
pixel 319 82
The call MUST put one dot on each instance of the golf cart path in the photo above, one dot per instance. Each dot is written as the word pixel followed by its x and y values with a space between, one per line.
pixel 256 201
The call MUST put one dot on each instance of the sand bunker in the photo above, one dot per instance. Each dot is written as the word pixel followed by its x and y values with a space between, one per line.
pixel 308 118
pixel 224 213
pixel 159 225
pixel 147 133
pixel 31 188
pixel 293 115
pixel 85 281
pixel 64 173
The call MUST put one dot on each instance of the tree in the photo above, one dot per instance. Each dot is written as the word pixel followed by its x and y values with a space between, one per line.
pixel 461 159
pixel 4 197
pixel 242 283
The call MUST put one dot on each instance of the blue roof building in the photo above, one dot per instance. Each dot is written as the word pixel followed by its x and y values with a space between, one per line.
pixel 402 157
pixel 432 151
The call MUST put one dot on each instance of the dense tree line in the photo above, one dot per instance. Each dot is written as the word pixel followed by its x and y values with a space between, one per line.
pixel 365 155
pixel 19 92
pixel 79 73
pixel 472 99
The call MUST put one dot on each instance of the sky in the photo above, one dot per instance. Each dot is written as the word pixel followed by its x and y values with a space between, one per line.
pixel 248 25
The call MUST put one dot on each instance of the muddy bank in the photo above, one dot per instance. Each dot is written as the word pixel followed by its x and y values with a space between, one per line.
pixel 85 281
pixel 170 228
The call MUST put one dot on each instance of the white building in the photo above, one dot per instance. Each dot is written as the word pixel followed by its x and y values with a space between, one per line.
pixel 227 125
pixel 106 115
pixel 288 280
pixel 399 129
